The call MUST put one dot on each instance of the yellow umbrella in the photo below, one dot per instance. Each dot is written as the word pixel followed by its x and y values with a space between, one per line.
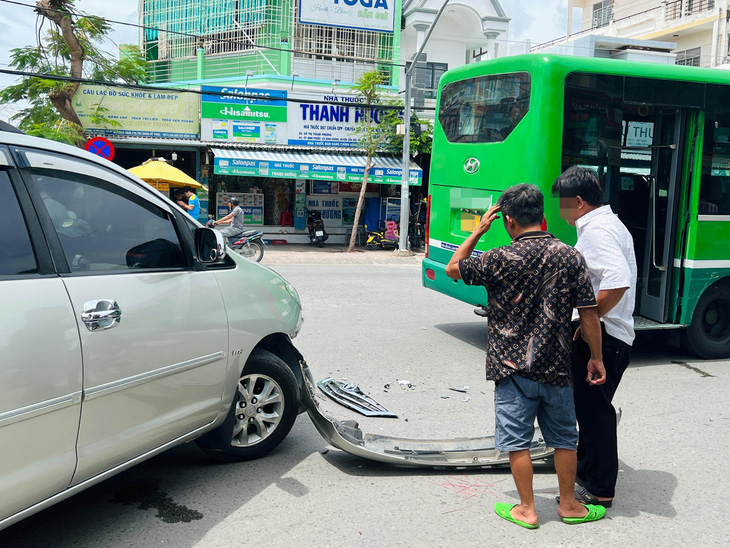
pixel 156 171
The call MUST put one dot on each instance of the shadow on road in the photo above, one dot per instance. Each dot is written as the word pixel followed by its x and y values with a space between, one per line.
pixel 473 333
pixel 181 488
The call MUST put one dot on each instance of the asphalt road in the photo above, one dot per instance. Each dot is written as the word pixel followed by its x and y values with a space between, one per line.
pixel 375 325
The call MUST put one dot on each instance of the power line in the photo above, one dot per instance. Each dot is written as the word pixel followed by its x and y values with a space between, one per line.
pixel 229 41
pixel 244 96
pixel 254 46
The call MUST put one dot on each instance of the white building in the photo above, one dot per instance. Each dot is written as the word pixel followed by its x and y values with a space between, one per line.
pixel 697 29
pixel 468 31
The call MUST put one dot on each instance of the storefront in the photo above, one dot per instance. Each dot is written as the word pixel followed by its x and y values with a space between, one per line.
pixel 276 189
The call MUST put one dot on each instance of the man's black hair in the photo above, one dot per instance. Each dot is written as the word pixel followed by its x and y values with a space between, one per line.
pixel 524 203
pixel 579 181
pixel 186 189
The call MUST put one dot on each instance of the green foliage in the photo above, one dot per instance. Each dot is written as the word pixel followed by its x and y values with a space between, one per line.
pixel 62 131
pixel 53 56
pixel 383 137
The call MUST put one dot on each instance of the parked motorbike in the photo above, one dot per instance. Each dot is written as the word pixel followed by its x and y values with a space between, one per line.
pixel 384 238
pixel 416 228
pixel 317 234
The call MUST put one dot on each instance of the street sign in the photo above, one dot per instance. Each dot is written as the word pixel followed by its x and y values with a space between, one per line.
pixel 101 147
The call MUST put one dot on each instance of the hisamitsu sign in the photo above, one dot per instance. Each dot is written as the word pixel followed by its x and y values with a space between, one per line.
pixel 376 15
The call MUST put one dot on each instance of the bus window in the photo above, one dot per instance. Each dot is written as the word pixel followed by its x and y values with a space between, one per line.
pixel 484 109
pixel 715 180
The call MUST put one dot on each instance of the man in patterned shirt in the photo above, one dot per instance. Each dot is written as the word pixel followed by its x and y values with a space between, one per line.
pixel 533 286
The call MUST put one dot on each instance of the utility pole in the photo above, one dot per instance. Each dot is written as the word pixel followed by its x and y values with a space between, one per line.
pixel 405 209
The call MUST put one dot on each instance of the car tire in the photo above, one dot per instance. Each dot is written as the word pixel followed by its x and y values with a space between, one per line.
pixel 251 430
pixel 708 336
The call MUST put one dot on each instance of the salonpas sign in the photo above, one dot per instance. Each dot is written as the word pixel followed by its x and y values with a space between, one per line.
pixel 242 103
pixel 353 14
pixel 312 170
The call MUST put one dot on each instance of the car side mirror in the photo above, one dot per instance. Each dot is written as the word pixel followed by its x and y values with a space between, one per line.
pixel 209 245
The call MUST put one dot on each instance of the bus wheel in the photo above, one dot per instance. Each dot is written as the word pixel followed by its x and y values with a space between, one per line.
pixel 708 336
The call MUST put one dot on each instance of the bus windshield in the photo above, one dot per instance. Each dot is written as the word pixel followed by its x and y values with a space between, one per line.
pixel 484 109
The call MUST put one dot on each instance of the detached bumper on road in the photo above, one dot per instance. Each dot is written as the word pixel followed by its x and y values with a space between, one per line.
pixel 451 453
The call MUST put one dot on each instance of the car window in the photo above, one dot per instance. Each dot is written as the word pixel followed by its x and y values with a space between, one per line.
pixel 16 252
pixel 104 227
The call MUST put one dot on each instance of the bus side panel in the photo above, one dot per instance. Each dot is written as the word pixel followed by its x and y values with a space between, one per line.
pixel 706 262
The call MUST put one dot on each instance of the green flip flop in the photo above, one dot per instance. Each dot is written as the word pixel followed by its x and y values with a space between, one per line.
pixel 595 513
pixel 502 509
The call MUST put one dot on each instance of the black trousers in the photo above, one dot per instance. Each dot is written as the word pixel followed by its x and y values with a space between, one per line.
pixel 597 443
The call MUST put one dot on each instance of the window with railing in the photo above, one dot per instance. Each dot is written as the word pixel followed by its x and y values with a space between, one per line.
pixel 339 53
pixel 174 30
pixel 688 57
pixel 602 13
pixel 426 78
pixel 677 9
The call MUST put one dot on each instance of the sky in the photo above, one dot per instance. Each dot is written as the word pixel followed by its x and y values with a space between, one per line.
pixel 534 20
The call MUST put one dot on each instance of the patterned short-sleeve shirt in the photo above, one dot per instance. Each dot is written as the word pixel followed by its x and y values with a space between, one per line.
pixel 533 286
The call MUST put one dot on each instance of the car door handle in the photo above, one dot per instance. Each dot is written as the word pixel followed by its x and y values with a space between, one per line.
pixel 101 314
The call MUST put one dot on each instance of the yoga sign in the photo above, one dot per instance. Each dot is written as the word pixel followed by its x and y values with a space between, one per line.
pixel 376 15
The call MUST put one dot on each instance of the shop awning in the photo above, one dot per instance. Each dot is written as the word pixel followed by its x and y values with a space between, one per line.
pixel 320 167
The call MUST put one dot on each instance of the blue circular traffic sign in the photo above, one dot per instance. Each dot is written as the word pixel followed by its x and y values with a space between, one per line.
pixel 101 147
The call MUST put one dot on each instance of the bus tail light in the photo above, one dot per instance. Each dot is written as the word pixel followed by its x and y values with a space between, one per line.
pixel 430 274
pixel 428 225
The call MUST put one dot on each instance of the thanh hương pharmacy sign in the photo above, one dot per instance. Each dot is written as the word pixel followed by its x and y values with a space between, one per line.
pixel 376 15
pixel 314 119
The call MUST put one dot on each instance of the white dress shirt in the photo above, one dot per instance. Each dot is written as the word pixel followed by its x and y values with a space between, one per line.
pixel 608 249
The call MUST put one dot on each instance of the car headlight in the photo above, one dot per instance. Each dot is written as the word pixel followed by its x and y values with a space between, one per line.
pixel 293 292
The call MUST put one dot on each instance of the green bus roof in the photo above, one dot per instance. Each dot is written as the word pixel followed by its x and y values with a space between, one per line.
pixel 561 65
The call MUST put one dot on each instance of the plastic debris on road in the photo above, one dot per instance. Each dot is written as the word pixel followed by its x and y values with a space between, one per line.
pixel 349 395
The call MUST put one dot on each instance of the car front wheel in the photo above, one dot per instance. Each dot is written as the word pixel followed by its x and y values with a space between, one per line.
pixel 262 412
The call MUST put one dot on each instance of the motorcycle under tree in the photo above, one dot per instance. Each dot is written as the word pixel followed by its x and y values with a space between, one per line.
pixel 317 234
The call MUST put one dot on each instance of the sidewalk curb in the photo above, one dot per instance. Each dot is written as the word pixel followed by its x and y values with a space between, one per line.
pixel 305 254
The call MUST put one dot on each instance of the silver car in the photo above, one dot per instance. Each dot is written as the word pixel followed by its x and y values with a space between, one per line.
pixel 125 329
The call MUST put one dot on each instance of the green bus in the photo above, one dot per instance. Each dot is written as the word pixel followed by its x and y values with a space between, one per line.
pixel 658 136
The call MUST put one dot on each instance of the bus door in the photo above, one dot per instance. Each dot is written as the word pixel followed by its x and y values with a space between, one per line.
pixel 664 183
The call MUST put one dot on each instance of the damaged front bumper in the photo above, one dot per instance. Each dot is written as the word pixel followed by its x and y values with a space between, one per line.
pixel 452 453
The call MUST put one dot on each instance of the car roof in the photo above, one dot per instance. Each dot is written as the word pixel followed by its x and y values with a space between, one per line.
pixel 13 138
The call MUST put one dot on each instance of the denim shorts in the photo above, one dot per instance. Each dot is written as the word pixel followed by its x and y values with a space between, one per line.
pixel 518 401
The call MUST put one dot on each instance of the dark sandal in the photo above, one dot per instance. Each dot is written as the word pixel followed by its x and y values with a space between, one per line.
pixel 584 497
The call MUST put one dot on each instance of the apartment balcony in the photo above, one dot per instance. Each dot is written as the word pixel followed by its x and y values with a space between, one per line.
pixel 682 9
pixel 659 23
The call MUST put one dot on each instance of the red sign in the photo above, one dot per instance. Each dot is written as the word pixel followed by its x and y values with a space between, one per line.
pixel 355 187
pixel 101 147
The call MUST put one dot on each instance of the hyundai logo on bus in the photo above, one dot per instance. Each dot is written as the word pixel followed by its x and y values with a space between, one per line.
pixel 471 165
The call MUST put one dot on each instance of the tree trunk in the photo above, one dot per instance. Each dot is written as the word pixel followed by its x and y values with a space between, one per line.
pixel 62 99
pixel 360 200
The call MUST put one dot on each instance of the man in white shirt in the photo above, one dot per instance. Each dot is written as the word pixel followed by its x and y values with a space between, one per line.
pixel 608 250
